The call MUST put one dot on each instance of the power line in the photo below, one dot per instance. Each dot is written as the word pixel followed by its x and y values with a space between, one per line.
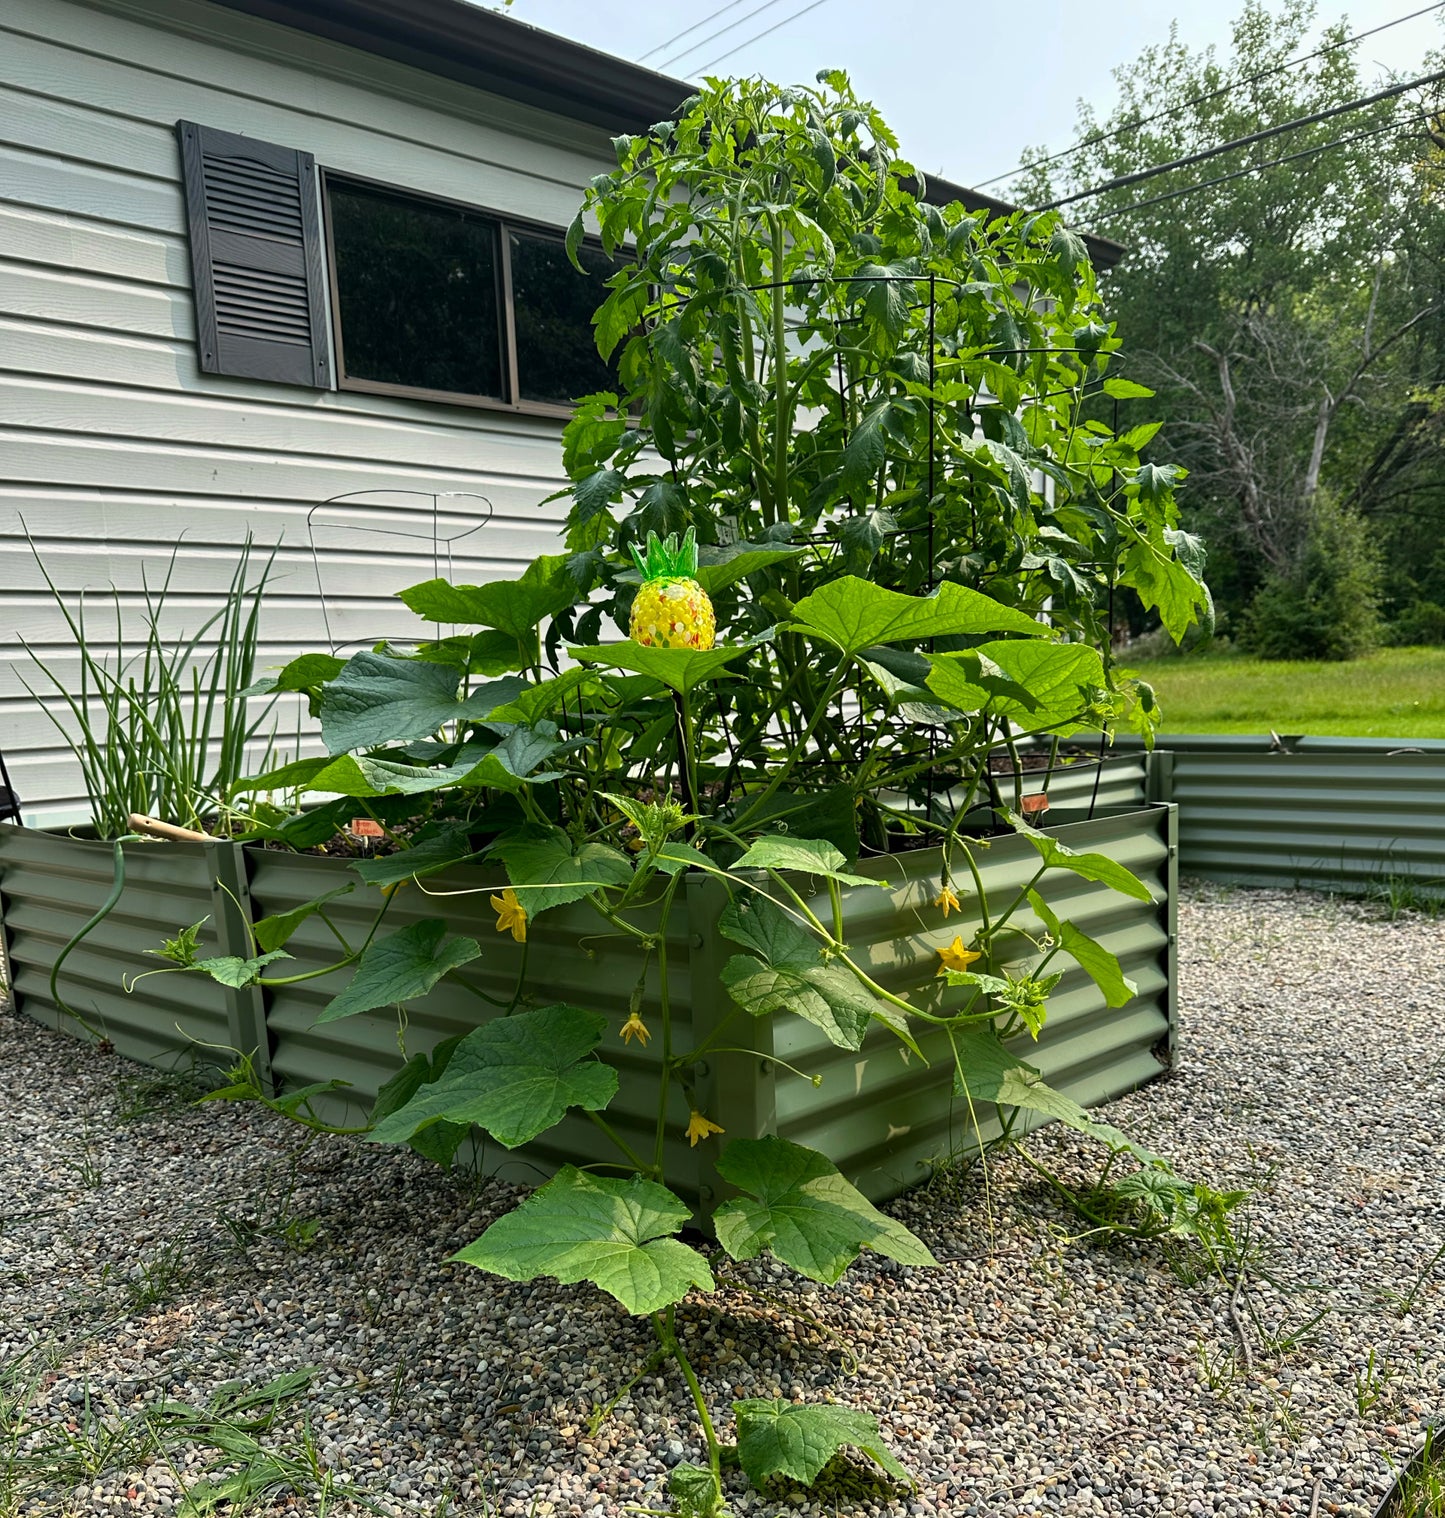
pixel 1228 89
pixel 722 31
pixel 712 15
pixel 1256 168
pixel 1241 142
pixel 757 37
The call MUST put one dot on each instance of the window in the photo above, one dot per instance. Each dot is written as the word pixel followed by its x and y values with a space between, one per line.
pixel 557 358
pixel 441 300
pixel 428 298
pixel 417 293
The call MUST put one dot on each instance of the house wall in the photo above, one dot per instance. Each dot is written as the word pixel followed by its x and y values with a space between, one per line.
pixel 114 447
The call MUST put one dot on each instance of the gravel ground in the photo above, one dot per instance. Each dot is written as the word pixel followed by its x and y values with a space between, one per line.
pixel 151 1251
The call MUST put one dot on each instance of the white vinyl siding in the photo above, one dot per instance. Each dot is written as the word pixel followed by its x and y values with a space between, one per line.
pixel 114 447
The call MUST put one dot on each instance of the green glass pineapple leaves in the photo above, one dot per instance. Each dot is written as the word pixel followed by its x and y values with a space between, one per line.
pixel 667 558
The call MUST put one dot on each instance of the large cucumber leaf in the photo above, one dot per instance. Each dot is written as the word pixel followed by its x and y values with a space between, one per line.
pixel 515 1077
pixel 797 1439
pixel 399 968
pixel 618 1234
pixel 853 614
pixel 803 1209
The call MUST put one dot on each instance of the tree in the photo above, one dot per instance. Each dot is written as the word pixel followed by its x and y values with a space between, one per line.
pixel 1291 316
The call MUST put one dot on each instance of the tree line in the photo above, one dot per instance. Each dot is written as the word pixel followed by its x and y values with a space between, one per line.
pixel 1286 301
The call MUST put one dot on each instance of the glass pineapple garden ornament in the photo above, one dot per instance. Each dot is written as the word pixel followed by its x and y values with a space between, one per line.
pixel 671 610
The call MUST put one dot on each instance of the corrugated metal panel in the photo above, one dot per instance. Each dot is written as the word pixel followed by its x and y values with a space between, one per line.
pixel 116 447
pixel 1341 819
pixel 1255 743
pixel 881 1116
pixel 568 960
pixel 50 885
pixel 1080 783
pixel 1074 784
pixel 1341 814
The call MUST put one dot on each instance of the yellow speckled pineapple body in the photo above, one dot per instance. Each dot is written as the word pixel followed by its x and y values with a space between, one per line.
pixel 671 609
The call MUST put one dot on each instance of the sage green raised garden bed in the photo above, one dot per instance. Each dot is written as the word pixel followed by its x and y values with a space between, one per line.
pixel 879 1113
pixel 50 886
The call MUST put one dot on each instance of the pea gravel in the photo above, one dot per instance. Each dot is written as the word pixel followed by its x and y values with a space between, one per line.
pixel 151 1251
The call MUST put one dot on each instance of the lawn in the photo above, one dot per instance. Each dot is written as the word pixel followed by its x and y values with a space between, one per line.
pixel 1396 693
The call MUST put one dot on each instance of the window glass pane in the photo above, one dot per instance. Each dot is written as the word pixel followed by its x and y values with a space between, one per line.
pixel 416 284
pixel 557 357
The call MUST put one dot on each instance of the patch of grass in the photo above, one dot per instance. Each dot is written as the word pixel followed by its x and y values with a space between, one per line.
pixel 169 1273
pixel 47 1458
pixel 252 1452
pixel 1397 895
pixel 1395 693
pixel 85 1164
pixel 1372 1386
pixel 1421 1493
pixel 143 1093
pixel 245 1449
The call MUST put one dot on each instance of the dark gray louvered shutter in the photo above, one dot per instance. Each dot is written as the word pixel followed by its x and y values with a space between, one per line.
pixel 256 255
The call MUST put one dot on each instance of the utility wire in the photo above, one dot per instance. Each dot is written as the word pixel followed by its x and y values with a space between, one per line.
pixel 1228 89
pixel 1242 142
pixel 757 37
pixel 687 30
pixel 722 31
pixel 1257 168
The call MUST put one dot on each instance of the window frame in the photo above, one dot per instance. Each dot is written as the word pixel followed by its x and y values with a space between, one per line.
pixel 506 224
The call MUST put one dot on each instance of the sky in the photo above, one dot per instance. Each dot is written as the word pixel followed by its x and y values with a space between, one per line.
pixel 966 86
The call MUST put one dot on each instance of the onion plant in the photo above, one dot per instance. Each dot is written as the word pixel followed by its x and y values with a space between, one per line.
pixel 160 724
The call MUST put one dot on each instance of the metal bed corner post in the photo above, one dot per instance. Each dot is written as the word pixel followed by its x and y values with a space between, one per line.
pixel 9 800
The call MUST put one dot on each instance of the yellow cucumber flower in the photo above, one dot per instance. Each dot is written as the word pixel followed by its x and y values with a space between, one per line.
pixel 634 1027
pixel 510 915
pixel 947 900
pixel 956 957
pixel 698 1128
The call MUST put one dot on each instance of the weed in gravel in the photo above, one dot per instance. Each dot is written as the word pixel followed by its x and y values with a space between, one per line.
pixel 93 1440
pixel 1396 896
pixel 85 1164
pixel 1220 1366
pixel 45 1454
pixel 20 1379
pixel 142 1093
pixel 1287 1336
pixel 396 1399
pixel 1403 1303
pixel 174 1268
pixel 1264 1170
pixel 245 1470
pixel 1372 1385
pixel 1271 1420
pixel 12 1219
pixel 272 1214
pixel 1049 1267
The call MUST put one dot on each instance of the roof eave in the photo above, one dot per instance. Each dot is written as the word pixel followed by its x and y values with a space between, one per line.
pixel 493 52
